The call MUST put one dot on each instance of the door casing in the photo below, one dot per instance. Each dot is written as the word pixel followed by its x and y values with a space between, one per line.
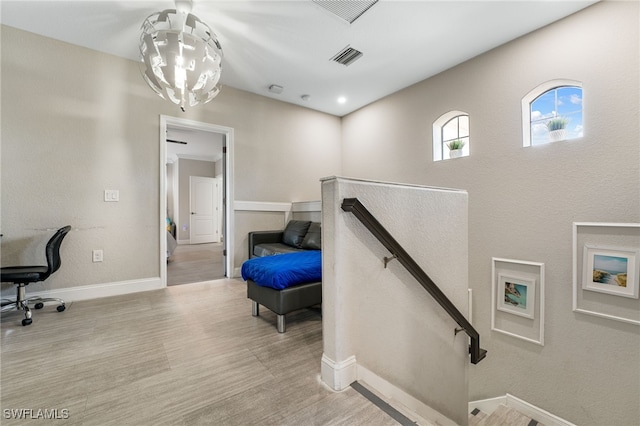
pixel 228 197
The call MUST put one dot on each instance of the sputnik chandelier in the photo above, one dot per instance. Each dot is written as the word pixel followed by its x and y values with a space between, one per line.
pixel 180 56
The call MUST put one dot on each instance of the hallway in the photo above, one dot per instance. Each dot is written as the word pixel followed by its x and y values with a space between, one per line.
pixel 195 263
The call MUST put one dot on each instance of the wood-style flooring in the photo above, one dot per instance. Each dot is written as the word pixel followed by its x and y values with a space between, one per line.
pixel 191 263
pixel 183 355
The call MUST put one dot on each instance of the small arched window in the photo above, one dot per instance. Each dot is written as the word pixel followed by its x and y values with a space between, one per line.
pixel 552 112
pixel 451 136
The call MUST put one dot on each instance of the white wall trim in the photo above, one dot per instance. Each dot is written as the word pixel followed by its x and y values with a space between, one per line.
pixel 488 405
pixel 272 206
pixel 338 375
pixel 228 138
pixel 402 401
pixel 542 416
pixel 96 291
pixel 261 206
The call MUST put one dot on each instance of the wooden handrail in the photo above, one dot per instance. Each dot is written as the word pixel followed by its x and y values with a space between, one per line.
pixel 354 206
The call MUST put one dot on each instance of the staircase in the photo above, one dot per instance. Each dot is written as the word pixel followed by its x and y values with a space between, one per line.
pixel 502 416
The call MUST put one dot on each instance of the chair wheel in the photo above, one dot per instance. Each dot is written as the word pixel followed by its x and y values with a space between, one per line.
pixel 39 305
pixel 61 308
pixel 27 321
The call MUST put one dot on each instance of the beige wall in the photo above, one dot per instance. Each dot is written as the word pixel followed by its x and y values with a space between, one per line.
pixel 76 122
pixel 522 201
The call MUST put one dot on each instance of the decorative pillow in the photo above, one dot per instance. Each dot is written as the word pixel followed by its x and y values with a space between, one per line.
pixel 294 232
pixel 312 241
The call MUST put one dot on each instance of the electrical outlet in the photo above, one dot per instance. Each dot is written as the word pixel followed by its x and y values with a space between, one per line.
pixel 97 256
pixel 111 195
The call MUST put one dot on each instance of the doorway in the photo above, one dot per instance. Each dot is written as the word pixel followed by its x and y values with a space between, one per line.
pixel 195 144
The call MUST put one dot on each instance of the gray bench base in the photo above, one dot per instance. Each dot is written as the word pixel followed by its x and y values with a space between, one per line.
pixel 281 302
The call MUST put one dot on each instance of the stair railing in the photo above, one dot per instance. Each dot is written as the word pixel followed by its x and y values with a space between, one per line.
pixel 354 206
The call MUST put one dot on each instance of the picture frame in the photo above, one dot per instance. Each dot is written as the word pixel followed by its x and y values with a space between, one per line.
pixel 610 270
pixel 589 301
pixel 516 295
pixel 525 320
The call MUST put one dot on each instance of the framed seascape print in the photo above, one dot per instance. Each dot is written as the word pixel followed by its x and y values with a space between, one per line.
pixel 606 270
pixel 517 299
pixel 610 270
pixel 516 295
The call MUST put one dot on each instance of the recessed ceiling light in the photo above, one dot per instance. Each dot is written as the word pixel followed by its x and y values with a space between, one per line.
pixel 305 97
pixel 342 100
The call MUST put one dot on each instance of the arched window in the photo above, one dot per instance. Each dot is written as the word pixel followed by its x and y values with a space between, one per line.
pixel 451 136
pixel 552 112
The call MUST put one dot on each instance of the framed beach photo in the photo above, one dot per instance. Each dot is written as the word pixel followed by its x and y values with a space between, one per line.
pixel 516 295
pixel 610 270
pixel 517 299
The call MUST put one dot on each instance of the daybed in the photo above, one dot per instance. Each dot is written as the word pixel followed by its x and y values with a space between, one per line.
pixel 298 235
pixel 284 270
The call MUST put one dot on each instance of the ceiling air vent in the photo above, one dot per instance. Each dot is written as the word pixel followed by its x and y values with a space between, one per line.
pixel 347 56
pixel 348 10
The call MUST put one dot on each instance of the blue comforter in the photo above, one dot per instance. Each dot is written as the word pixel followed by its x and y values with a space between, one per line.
pixel 284 270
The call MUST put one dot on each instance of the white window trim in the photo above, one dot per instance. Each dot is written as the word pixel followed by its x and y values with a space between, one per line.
pixel 437 132
pixel 531 96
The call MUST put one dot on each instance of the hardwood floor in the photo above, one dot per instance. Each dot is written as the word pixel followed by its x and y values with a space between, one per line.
pixel 195 263
pixel 184 355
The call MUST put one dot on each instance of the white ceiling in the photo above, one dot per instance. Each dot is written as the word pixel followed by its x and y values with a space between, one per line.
pixel 200 145
pixel 290 42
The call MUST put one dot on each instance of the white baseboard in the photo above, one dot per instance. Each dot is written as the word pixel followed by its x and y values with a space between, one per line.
pixel 542 416
pixel 261 206
pixel 411 407
pixel 95 291
pixel 338 375
pixel 489 405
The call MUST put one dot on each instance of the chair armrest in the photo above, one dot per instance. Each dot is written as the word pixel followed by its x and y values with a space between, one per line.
pixel 260 237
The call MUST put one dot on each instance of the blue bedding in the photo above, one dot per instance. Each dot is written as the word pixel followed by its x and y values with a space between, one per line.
pixel 284 270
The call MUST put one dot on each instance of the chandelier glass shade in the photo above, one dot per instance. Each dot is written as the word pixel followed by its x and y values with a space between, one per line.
pixel 180 58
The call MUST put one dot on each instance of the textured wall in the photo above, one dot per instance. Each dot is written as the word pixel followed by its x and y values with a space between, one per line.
pixel 76 122
pixel 522 201
pixel 383 316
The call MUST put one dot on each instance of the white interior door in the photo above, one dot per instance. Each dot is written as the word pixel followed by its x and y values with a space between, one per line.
pixel 203 201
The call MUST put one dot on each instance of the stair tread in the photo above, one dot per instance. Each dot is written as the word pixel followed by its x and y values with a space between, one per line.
pixel 476 417
pixel 502 416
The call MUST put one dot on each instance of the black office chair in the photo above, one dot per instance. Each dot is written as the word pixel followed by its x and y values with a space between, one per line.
pixel 24 275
